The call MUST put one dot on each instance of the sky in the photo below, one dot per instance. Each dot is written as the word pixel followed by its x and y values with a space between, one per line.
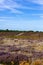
pixel 21 14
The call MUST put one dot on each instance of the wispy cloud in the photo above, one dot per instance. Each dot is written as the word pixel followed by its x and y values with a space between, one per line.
pixel 3 17
pixel 13 6
pixel 37 1
pixel 39 15
pixel 38 4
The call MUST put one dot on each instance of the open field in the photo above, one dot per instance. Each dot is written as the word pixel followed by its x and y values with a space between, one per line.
pixel 21 48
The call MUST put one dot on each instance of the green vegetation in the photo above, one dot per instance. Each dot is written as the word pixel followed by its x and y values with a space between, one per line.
pixel 7 30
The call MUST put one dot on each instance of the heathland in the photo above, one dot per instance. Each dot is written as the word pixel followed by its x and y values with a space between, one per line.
pixel 21 47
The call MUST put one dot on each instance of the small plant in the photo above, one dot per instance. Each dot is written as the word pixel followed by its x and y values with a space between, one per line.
pixel 24 63
pixel 37 62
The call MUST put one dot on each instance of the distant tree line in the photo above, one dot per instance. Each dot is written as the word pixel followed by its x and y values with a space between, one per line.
pixel 7 30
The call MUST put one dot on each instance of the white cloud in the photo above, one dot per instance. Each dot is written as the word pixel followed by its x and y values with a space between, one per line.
pixel 39 5
pixel 37 14
pixel 37 1
pixel 14 7
pixel 6 17
pixel 41 16
pixel 11 5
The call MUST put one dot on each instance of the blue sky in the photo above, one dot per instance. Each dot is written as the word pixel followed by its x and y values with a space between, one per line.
pixel 21 14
